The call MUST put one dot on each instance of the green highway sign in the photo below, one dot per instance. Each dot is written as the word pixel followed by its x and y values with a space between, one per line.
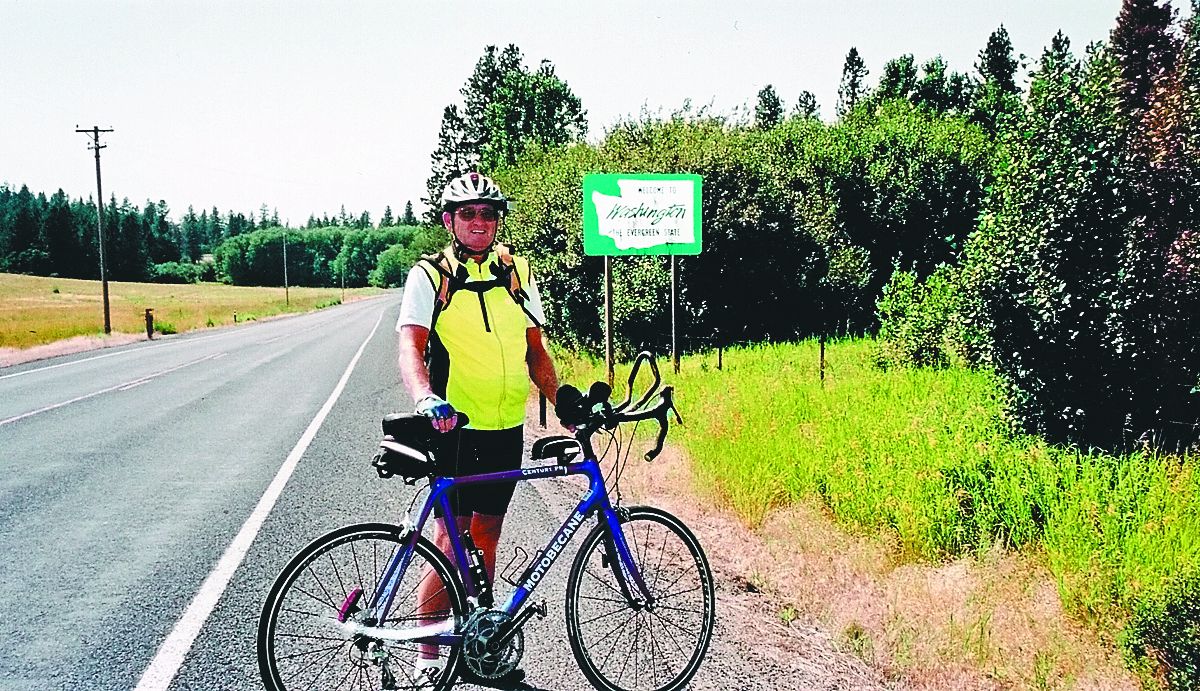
pixel 643 213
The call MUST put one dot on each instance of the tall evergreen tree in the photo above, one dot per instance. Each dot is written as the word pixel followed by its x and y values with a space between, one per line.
pixel 26 244
pixel 853 85
pixel 506 108
pixel 806 106
pixel 62 244
pixel 1145 50
pixel 768 112
pixel 387 220
pixel 190 235
pixel 409 219
pixel 997 63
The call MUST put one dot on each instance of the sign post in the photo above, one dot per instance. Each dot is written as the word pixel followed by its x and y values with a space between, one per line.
pixel 643 213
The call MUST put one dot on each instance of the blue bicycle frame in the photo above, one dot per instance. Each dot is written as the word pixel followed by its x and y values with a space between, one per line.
pixel 595 499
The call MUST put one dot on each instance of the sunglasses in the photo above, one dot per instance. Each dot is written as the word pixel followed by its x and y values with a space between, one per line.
pixel 467 214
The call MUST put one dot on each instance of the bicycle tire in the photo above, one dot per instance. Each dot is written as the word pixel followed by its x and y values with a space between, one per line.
pixel 673 565
pixel 302 606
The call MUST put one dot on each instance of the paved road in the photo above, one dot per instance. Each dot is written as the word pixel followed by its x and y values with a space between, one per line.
pixel 127 476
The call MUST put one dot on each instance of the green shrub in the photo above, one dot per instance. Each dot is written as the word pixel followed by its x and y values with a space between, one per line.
pixel 179 272
pixel 917 320
pixel 1164 635
pixel 165 328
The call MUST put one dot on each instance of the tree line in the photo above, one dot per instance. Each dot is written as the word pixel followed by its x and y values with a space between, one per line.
pixel 58 236
pixel 1044 233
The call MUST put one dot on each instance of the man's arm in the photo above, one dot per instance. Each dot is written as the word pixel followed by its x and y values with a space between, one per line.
pixel 541 365
pixel 413 371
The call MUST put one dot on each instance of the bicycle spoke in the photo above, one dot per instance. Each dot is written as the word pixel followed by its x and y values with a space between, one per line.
pixel 668 633
pixel 622 601
pixel 314 651
pixel 604 582
pixel 337 574
pixel 602 616
pixel 616 638
pixel 325 667
pixel 659 605
pixel 327 603
pixel 343 680
pixel 302 612
pixel 313 662
pixel 329 597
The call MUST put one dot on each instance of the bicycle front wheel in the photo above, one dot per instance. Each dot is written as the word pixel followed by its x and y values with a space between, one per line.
pixel 626 645
pixel 315 633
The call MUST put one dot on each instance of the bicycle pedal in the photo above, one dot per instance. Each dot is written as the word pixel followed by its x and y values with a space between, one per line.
pixel 349 605
pixel 539 609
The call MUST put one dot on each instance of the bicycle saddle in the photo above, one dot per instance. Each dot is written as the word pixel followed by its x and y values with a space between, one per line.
pixel 560 447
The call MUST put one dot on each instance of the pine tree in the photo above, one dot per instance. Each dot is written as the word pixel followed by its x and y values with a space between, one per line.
pixel 853 85
pixel 387 220
pixel 506 108
pixel 997 63
pixel 62 244
pixel 768 112
pixel 26 245
pixel 806 106
pixel 409 219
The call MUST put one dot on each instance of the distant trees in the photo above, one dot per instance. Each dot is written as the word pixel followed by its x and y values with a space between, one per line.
pixel 853 85
pixel 806 106
pixel 506 108
pixel 768 112
pixel 58 236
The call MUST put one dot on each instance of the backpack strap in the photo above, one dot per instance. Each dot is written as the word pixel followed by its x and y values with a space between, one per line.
pixel 514 266
pixel 447 273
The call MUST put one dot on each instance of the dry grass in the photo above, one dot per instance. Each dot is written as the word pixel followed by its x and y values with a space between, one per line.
pixel 995 622
pixel 35 311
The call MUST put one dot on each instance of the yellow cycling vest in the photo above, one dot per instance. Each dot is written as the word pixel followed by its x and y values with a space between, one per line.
pixel 477 347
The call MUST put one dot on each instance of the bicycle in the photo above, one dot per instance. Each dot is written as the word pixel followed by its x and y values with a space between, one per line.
pixel 640 597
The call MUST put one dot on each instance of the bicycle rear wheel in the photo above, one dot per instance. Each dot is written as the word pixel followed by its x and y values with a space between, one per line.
pixel 303 645
pixel 627 646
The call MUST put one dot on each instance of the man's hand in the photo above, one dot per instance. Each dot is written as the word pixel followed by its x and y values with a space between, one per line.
pixel 439 412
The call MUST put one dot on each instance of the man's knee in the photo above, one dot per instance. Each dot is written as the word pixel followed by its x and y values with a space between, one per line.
pixel 486 527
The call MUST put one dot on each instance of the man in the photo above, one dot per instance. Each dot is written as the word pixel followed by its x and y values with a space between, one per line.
pixel 476 312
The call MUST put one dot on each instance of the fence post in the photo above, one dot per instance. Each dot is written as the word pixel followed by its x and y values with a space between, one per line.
pixel 149 323
pixel 542 409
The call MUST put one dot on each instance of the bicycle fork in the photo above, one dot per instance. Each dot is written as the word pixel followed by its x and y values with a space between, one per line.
pixel 619 557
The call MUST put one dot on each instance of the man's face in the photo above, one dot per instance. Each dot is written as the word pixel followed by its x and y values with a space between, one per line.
pixel 474 225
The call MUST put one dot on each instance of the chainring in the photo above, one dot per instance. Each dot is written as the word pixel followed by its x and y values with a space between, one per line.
pixel 482 627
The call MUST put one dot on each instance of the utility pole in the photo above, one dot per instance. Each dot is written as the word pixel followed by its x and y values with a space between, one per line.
pixel 95 133
pixel 286 300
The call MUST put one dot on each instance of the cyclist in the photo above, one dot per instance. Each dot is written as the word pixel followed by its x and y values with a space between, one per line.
pixel 471 340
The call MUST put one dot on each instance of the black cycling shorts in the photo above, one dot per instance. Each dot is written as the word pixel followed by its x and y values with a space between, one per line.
pixel 481 451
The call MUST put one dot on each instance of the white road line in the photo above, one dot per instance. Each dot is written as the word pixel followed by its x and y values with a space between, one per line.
pixel 119 387
pixel 171 653
pixel 101 357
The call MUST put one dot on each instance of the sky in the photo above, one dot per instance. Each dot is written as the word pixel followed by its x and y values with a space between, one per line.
pixel 306 107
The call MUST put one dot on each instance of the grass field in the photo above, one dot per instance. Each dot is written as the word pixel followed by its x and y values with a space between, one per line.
pixel 924 455
pixel 35 310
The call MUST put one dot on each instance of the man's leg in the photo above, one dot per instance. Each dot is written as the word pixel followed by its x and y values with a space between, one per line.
pixel 432 599
pixel 485 530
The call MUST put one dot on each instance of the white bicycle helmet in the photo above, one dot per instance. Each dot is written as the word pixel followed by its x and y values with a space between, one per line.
pixel 470 188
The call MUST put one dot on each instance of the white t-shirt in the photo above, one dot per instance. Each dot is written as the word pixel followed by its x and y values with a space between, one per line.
pixel 416 307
